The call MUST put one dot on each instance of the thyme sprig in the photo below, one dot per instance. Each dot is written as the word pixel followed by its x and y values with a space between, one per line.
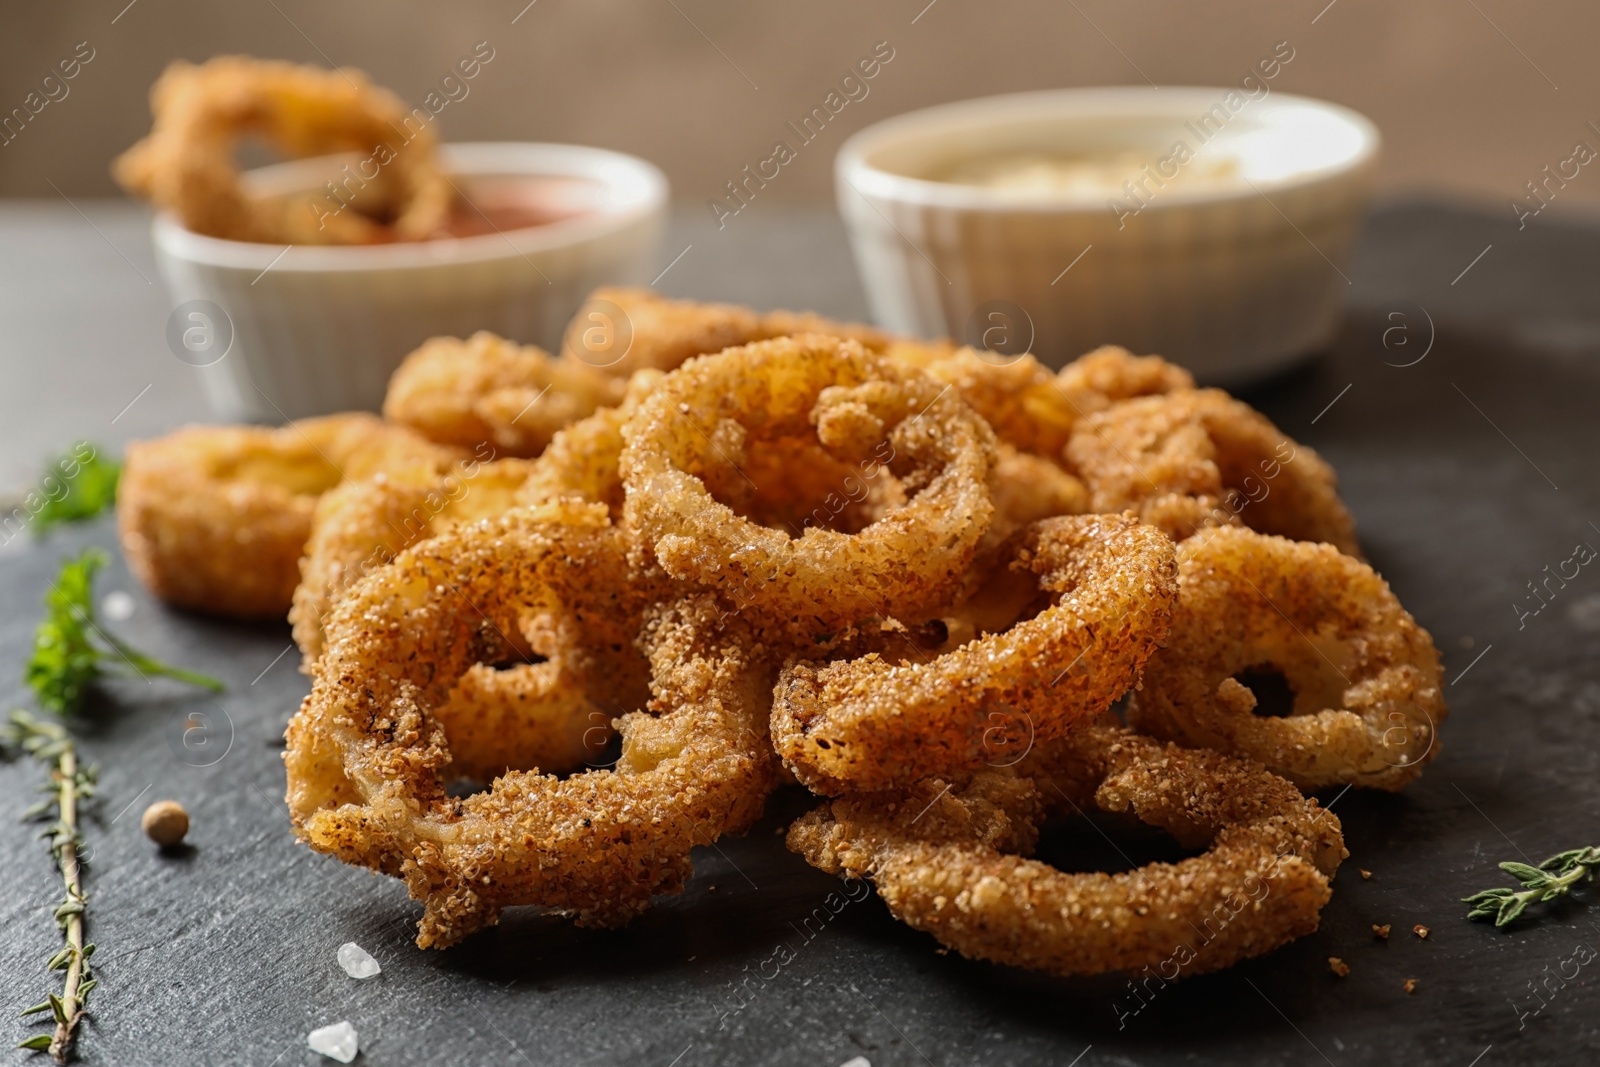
pixel 1553 878
pixel 70 786
pixel 67 657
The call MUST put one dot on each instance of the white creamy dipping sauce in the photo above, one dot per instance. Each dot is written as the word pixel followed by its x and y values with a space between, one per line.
pixel 1038 172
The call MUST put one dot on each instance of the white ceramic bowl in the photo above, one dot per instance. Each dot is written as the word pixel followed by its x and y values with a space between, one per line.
pixel 1233 278
pixel 318 329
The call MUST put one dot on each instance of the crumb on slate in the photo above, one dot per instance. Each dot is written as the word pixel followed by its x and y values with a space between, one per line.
pixel 1381 931
pixel 1421 931
pixel 1338 966
pixel 1410 986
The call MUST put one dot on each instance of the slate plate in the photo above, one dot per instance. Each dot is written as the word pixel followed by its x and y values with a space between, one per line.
pixel 1469 471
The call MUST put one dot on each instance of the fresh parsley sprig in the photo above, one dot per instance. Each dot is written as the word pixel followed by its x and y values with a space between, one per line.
pixel 1553 878
pixel 89 486
pixel 70 649
pixel 69 788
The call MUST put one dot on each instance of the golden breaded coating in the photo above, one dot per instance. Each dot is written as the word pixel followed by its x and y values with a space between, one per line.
pixel 884 720
pixel 523 706
pixel 1368 697
pixel 502 718
pixel 624 330
pixel 582 460
pixel 953 862
pixel 214 518
pixel 1028 488
pixel 186 165
pixel 487 390
pixel 367 756
pixel 360 526
pixel 690 439
pixel 1028 406
pixel 1199 459
pixel 1019 397
pixel 793 323
pixel 1111 374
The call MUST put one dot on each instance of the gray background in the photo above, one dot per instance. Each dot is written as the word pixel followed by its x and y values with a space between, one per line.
pixel 1473 96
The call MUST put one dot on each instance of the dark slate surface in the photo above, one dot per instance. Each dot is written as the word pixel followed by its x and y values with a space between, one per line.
pixel 1469 472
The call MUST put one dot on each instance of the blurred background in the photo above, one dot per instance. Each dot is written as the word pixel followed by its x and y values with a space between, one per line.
pixel 1474 97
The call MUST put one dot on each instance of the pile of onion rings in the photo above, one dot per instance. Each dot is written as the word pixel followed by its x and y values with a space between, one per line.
pixel 554 649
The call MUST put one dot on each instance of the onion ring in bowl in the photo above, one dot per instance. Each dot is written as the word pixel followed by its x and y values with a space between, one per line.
pixel 867 411
pixel 1199 459
pixel 490 390
pixel 367 756
pixel 185 165
pixel 952 861
pixel 872 723
pixel 1367 679
pixel 215 518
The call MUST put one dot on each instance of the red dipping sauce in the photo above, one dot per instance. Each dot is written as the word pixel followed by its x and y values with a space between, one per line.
pixel 499 205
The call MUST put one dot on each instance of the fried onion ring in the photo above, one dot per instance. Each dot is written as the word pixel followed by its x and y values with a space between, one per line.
pixel 490 390
pixel 1367 679
pixel 875 723
pixel 952 861
pixel 367 757
pixel 1028 406
pixel 1028 488
pixel 362 525
pixel 661 334
pixel 186 164
pixel 1110 374
pixel 215 518
pixel 1019 397
pixel 1199 459
pixel 583 460
pixel 507 710
pixel 866 410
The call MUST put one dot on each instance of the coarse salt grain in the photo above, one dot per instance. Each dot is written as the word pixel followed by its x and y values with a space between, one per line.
pixel 337 1042
pixel 117 606
pixel 357 961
